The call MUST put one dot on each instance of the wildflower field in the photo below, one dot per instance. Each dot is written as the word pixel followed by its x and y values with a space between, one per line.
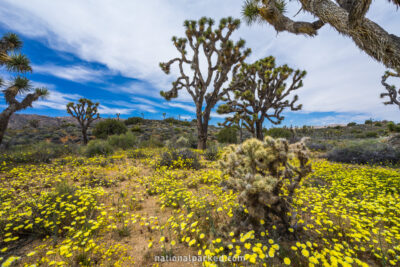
pixel 126 210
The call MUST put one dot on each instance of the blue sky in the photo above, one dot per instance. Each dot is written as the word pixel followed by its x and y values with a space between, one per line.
pixel 110 54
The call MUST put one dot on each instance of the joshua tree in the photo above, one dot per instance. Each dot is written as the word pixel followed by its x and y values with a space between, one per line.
pixel 260 92
pixel 142 114
pixel 164 114
pixel 205 84
pixel 118 114
pixel 346 16
pixel 392 92
pixel 85 112
pixel 19 64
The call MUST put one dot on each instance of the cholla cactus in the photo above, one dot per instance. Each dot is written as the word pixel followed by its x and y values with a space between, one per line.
pixel 262 172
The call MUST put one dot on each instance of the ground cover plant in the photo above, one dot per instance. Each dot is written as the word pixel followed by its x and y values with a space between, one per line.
pixel 121 210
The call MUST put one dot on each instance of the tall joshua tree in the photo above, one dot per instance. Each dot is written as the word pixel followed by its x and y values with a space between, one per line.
pixel 259 92
pixel 345 16
pixel 220 55
pixel 19 64
pixel 85 112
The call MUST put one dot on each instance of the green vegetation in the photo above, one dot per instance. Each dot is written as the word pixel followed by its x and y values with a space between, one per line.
pixel 108 127
pixel 227 135
pixel 133 121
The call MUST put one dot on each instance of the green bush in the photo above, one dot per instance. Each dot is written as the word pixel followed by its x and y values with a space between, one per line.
pixel 227 135
pixel 351 124
pixel 123 141
pixel 152 142
pixel 378 124
pixel 108 127
pixel 371 134
pixel 133 120
pixel 368 122
pixel 392 127
pixel 98 147
pixel 279 133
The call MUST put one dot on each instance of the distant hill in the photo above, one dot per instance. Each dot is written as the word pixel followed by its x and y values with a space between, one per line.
pixel 19 121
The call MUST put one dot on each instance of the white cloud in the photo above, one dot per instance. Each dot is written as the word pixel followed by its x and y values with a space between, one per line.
pixel 132 37
pixel 133 106
pixel 55 100
pixel 186 107
pixel 72 73
pixel 186 117
pixel 109 110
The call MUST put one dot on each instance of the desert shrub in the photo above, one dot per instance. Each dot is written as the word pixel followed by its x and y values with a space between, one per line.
pixel 182 142
pixel 152 142
pixel 378 124
pixel 365 152
pixel 98 147
pixel 351 124
pixel 136 129
pixel 392 127
pixel 41 152
pixel 258 170
pixel 123 141
pixel 279 133
pixel 180 159
pixel 315 146
pixel 371 134
pixel 136 154
pixel 108 127
pixel 368 122
pixel 177 122
pixel 227 135
pixel 133 120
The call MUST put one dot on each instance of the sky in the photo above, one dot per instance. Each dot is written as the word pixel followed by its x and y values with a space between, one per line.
pixel 109 51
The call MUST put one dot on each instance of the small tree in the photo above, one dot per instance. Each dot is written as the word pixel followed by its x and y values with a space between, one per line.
pixel 85 112
pixel 221 55
pixel 259 91
pixel 118 114
pixel 18 63
pixel 164 115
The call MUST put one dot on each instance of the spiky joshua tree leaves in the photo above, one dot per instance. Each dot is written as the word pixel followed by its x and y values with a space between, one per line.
pixel 204 83
pixel 259 92
pixel 20 85
pixel 345 16
pixel 85 112
pixel 264 174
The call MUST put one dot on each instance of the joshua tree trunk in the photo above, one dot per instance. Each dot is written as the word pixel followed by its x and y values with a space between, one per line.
pixel 4 118
pixel 84 134
pixel 241 130
pixel 259 133
pixel 202 127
